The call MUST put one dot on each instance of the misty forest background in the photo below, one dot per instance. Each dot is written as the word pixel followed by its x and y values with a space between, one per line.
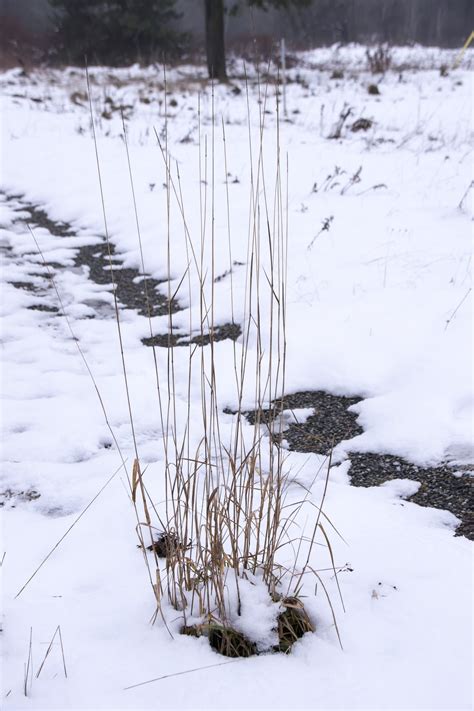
pixel 38 31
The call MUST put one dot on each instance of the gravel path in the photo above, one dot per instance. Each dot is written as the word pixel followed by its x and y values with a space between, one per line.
pixel 134 289
pixel 443 487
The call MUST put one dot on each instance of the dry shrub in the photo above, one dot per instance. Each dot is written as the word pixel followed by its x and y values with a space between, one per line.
pixel 227 522
pixel 379 59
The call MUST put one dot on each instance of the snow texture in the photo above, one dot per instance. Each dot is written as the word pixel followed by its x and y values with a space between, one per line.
pixel 379 306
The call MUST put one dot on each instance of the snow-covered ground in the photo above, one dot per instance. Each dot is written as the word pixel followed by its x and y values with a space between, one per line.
pixel 379 304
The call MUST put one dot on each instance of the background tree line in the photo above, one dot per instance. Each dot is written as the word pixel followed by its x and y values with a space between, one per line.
pixel 123 31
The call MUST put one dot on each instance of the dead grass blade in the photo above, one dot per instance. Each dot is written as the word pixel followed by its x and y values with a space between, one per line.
pixel 181 673
pixel 47 557
pixel 58 633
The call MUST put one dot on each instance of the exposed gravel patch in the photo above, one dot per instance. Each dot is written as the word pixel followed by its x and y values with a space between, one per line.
pixel 26 286
pixel 39 218
pixel 9 497
pixel 330 424
pixel 444 487
pixel 134 289
pixel 220 333
pixel 43 307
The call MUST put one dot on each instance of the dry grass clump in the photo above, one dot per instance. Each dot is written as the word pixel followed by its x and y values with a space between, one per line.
pixel 227 525
pixel 379 59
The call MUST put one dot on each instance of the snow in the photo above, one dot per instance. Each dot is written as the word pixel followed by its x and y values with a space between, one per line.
pixel 379 306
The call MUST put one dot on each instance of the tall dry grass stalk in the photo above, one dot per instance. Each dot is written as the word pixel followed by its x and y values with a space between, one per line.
pixel 227 515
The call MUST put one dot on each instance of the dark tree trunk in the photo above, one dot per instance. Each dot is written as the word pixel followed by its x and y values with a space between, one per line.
pixel 215 48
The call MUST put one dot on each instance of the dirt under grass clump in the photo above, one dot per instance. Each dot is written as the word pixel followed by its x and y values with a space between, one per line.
pixel 166 545
pixel 225 640
pixel 292 623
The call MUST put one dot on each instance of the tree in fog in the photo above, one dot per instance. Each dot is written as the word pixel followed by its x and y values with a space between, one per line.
pixel 214 20
pixel 116 31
